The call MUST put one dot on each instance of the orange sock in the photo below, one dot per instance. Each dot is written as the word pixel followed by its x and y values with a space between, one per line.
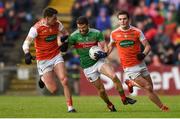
pixel 69 102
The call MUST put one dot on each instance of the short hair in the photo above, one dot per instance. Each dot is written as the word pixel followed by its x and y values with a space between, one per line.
pixel 82 20
pixel 49 12
pixel 122 12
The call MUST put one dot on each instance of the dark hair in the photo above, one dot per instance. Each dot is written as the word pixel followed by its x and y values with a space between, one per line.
pixel 49 12
pixel 82 20
pixel 122 12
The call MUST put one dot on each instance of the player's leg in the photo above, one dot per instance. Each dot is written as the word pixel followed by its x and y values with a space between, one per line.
pixel 49 82
pixel 146 84
pixel 93 75
pixel 102 93
pixel 108 70
pixel 140 77
pixel 76 86
pixel 153 96
pixel 41 82
pixel 61 73
pixel 46 72
pixel 130 84
pixel 133 72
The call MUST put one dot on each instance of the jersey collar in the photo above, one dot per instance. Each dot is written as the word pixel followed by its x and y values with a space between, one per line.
pixel 86 33
pixel 44 22
pixel 127 29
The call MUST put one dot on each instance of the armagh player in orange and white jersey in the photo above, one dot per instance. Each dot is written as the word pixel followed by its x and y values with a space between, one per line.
pixel 48 35
pixel 128 40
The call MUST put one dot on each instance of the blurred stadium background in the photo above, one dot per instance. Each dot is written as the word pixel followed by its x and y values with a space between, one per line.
pixel 158 19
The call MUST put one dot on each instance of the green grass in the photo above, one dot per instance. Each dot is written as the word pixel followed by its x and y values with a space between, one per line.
pixel 87 107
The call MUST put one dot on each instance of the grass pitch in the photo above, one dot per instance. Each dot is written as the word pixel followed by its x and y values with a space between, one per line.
pixel 87 107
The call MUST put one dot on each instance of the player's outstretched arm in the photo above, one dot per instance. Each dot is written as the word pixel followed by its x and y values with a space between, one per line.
pixel 110 47
pixel 63 40
pixel 147 49
pixel 103 46
pixel 26 44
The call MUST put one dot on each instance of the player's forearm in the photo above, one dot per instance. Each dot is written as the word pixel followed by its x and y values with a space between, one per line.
pixel 59 39
pixel 26 45
pixel 64 32
pixel 147 49
pixel 103 46
pixel 110 48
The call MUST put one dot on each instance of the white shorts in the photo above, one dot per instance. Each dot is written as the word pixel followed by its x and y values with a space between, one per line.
pixel 45 66
pixel 137 70
pixel 93 73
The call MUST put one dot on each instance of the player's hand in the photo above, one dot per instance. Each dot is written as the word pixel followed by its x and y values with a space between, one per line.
pixel 64 47
pixel 64 38
pixel 100 54
pixel 141 56
pixel 28 58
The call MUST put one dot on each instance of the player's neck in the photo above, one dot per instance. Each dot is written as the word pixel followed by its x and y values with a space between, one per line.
pixel 45 22
pixel 125 28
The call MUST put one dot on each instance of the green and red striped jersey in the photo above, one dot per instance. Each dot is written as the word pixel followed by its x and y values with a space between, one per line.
pixel 82 44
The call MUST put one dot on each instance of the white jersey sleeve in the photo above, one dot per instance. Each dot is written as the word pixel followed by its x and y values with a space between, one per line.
pixel 111 39
pixel 33 32
pixel 142 37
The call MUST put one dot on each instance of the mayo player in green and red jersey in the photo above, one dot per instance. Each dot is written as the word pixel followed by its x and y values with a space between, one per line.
pixel 48 35
pixel 83 39
pixel 128 40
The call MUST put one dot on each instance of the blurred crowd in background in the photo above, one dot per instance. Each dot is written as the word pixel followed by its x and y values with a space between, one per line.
pixel 12 15
pixel 158 19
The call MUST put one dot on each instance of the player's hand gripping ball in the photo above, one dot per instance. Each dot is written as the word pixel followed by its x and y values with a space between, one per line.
pixel 96 53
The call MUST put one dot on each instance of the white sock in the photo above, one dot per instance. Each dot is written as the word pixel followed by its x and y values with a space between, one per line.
pixel 70 108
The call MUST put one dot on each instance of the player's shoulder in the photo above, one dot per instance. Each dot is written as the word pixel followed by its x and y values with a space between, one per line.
pixel 135 29
pixel 39 23
pixel 94 30
pixel 76 32
pixel 115 30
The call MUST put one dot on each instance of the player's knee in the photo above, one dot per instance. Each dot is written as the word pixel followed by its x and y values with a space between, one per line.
pixel 102 91
pixel 149 88
pixel 53 90
pixel 64 82
pixel 115 78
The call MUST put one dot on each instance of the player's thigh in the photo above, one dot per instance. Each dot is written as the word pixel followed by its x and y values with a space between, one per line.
pixel 60 70
pixel 48 78
pixel 107 70
pixel 143 83
pixel 98 84
pixel 148 79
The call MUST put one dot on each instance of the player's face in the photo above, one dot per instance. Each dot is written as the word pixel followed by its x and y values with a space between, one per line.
pixel 123 21
pixel 83 28
pixel 51 20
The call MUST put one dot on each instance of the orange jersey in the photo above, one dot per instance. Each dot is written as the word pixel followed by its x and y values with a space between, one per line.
pixel 128 44
pixel 45 41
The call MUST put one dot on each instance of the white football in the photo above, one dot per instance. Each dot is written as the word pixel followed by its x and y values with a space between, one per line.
pixel 93 50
